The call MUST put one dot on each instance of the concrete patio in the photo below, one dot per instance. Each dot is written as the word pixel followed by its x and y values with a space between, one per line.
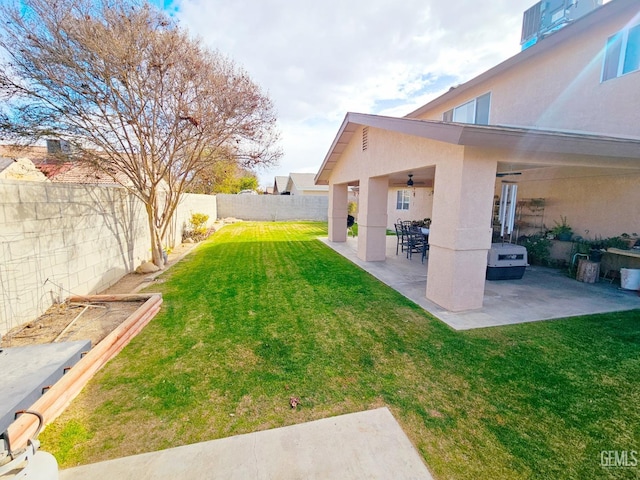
pixel 360 445
pixel 542 294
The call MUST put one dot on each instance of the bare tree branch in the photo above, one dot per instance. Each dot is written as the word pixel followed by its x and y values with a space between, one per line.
pixel 133 93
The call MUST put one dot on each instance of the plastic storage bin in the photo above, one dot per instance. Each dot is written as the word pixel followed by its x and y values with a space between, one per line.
pixel 630 278
pixel 506 261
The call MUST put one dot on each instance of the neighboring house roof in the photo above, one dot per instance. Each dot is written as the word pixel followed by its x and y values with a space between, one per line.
pixel 550 42
pixel 20 151
pixel 52 169
pixel 44 167
pixel 70 172
pixel 280 184
pixel 304 182
pixel 20 169
pixel 621 152
pixel 4 163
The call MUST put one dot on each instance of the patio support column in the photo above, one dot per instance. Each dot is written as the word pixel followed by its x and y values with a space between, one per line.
pixel 337 215
pixel 372 219
pixel 461 231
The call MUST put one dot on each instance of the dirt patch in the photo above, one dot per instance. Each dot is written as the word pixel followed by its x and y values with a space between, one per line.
pixel 71 321
pixel 87 321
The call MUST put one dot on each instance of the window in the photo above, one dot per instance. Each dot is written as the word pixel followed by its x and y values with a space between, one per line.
pixel 402 199
pixel 465 113
pixel 612 57
pixel 622 53
pixel 632 52
pixel 475 111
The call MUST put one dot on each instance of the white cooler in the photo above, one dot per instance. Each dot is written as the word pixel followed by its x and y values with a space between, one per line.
pixel 506 261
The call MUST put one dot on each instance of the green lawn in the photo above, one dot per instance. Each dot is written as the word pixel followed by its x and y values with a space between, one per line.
pixel 264 311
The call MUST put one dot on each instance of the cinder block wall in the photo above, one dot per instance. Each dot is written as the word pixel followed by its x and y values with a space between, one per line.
pixel 273 207
pixel 57 239
pixel 191 203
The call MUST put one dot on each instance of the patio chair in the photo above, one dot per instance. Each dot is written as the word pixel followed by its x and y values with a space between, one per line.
pixel 401 238
pixel 417 243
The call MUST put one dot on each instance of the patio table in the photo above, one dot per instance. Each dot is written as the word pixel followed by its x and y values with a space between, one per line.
pixel 615 258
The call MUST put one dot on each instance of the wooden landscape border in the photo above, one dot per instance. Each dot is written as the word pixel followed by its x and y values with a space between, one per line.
pixel 59 396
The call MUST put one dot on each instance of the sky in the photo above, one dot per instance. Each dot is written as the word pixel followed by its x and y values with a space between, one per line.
pixel 318 60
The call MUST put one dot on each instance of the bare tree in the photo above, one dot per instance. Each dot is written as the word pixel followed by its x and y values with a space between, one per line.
pixel 132 93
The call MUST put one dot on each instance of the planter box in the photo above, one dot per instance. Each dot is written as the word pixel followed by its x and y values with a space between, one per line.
pixel 561 251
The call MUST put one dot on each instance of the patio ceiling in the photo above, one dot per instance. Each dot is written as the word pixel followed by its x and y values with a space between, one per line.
pixel 575 148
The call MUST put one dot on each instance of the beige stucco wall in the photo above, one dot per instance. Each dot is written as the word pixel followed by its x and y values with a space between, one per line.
pixel 420 205
pixel 596 201
pixel 389 152
pixel 561 89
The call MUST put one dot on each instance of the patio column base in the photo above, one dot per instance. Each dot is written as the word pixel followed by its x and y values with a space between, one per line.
pixel 374 243
pixel 460 234
pixel 337 216
pixel 460 282
pixel 372 219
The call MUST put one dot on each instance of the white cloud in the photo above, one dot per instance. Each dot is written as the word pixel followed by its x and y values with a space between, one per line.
pixel 319 60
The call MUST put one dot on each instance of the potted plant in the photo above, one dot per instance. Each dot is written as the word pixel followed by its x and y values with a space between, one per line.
pixel 614 242
pixel 598 247
pixel 583 245
pixel 562 231
pixel 631 240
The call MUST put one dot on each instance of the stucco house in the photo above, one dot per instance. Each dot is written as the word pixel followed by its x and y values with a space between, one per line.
pixel 45 164
pixel 560 119
pixel 20 169
pixel 280 185
pixel 303 184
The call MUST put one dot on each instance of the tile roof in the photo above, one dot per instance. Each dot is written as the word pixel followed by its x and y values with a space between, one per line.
pixel 70 172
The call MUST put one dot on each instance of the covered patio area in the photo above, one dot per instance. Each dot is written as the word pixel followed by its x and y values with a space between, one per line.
pixel 542 294
pixel 464 163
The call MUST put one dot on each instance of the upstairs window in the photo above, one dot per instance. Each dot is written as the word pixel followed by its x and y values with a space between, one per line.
pixel 475 111
pixel 622 53
pixel 402 199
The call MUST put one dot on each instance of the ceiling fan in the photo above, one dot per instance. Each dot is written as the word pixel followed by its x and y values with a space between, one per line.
pixel 413 183
pixel 507 174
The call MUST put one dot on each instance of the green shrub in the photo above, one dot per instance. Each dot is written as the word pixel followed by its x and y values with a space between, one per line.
pixel 620 242
pixel 198 222
pixel 538 249
pixel 197 229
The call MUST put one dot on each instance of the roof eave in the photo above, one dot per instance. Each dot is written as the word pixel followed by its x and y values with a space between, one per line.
pixel 516 139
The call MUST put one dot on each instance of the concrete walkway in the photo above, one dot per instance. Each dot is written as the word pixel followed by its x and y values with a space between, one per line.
pixel 364 445
pixel 542 294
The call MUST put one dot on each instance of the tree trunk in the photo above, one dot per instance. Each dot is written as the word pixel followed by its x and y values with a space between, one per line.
pixel 156 240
